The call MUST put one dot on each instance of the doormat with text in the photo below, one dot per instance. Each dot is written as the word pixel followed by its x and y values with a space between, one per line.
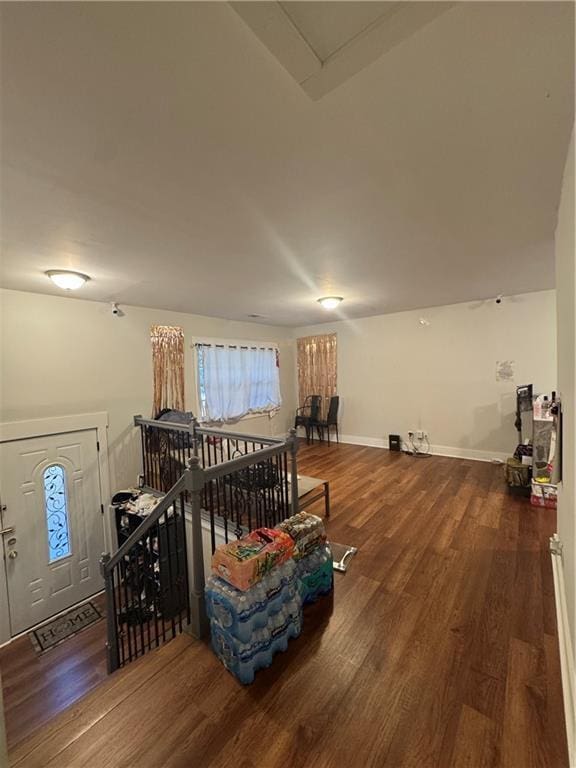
pixel 62 627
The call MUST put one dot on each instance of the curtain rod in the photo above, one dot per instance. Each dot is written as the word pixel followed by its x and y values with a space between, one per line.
pixel 231 346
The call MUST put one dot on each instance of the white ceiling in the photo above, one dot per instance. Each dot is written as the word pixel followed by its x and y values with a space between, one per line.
pixel 329 26
pixel 322 44
pixel 162 149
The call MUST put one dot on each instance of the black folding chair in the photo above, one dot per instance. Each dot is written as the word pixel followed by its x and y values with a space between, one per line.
pixel 308 416
pixel 331 419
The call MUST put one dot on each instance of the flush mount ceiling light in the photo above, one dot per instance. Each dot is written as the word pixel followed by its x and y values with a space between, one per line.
pixel 68 281
pixel 330 302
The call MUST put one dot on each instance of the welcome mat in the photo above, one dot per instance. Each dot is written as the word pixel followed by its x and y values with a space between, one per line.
pixel 341 556
pixel 62 627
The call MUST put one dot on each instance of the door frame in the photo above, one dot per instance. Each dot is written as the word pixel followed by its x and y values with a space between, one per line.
pixel 56 425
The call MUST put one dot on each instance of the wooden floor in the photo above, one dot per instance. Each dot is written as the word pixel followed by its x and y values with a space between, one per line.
pixel 37 688
pixel 439 649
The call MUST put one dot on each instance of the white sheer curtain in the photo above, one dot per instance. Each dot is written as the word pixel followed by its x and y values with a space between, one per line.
pixel 235 380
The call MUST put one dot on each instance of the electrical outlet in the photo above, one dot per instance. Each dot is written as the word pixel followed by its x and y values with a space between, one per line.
pixel 420 434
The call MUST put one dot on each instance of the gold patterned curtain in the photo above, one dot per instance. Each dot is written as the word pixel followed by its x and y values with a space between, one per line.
pixel 317 367
pixel 168 365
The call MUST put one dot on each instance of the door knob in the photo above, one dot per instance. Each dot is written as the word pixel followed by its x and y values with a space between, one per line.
pixel 12 554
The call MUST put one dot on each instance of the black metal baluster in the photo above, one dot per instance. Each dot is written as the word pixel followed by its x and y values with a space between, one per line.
pixel 169 460
pixel 267 470
pixel 142 440
pixel 153 453
pixel 159 585
pixel 234 486
pixel 151 480
pixel 169 561
pixel 180 448
pixel 155 537
pixel 225 513
pixel 279 488
pixel 276 489
pixel 139 584
pixel 213 463
pixel 175 516
pixel 152 457
pixel 149 596
pixel 180 453
pixel 145 453
pixel 209 490
pixel 158 459
pixel 127 570
pixel 185 558
pixel 285 485
pixel 218 480
pixel 250 497
pixel 118 633
pixel 258 500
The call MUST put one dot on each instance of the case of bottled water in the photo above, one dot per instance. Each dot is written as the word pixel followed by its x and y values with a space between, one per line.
pixel 243 658
pixel 241 613
pixel 315 576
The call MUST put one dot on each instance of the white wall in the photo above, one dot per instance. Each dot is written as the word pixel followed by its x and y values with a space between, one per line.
pixel 566 287
pixel 63 355
pixel 396 375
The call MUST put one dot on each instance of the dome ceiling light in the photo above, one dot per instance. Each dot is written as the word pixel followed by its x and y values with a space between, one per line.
pixel 68 281
pixel 330 302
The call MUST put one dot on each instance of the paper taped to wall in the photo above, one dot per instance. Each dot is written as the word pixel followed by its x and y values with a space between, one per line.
pixel 505 370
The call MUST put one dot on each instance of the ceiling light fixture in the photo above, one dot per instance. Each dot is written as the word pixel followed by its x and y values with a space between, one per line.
pixel 330 302
pixel 68 281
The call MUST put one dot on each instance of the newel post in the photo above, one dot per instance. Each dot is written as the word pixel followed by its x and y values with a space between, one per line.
pixel 198 626
pixel 112 661
pixel 293 440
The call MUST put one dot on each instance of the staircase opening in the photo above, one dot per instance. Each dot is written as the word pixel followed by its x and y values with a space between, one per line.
pixel 212 485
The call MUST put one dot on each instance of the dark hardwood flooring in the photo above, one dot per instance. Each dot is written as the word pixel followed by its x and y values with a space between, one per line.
pixel 438 650
pixel 38 687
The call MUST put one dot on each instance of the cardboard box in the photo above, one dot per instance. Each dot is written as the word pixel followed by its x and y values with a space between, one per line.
pixel 245 562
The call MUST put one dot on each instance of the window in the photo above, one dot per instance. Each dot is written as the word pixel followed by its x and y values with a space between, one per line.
pixel 56 505
pixel 235 380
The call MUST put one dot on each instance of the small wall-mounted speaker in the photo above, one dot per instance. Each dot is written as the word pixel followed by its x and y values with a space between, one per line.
pixel 394 442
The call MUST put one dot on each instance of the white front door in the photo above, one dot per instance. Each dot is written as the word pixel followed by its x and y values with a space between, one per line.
pixel 52 524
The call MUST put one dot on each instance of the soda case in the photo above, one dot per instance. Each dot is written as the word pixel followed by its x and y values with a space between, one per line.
pixel 306 530
pixel 242 612
pixel 244 659
pixel 315 577
pixel 544 495
pixel 245 562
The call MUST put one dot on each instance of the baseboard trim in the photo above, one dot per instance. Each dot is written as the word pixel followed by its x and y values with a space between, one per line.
pixel 566 651
pixel 437 450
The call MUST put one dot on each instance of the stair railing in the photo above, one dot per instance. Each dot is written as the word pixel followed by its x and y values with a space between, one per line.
pixel 154 582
